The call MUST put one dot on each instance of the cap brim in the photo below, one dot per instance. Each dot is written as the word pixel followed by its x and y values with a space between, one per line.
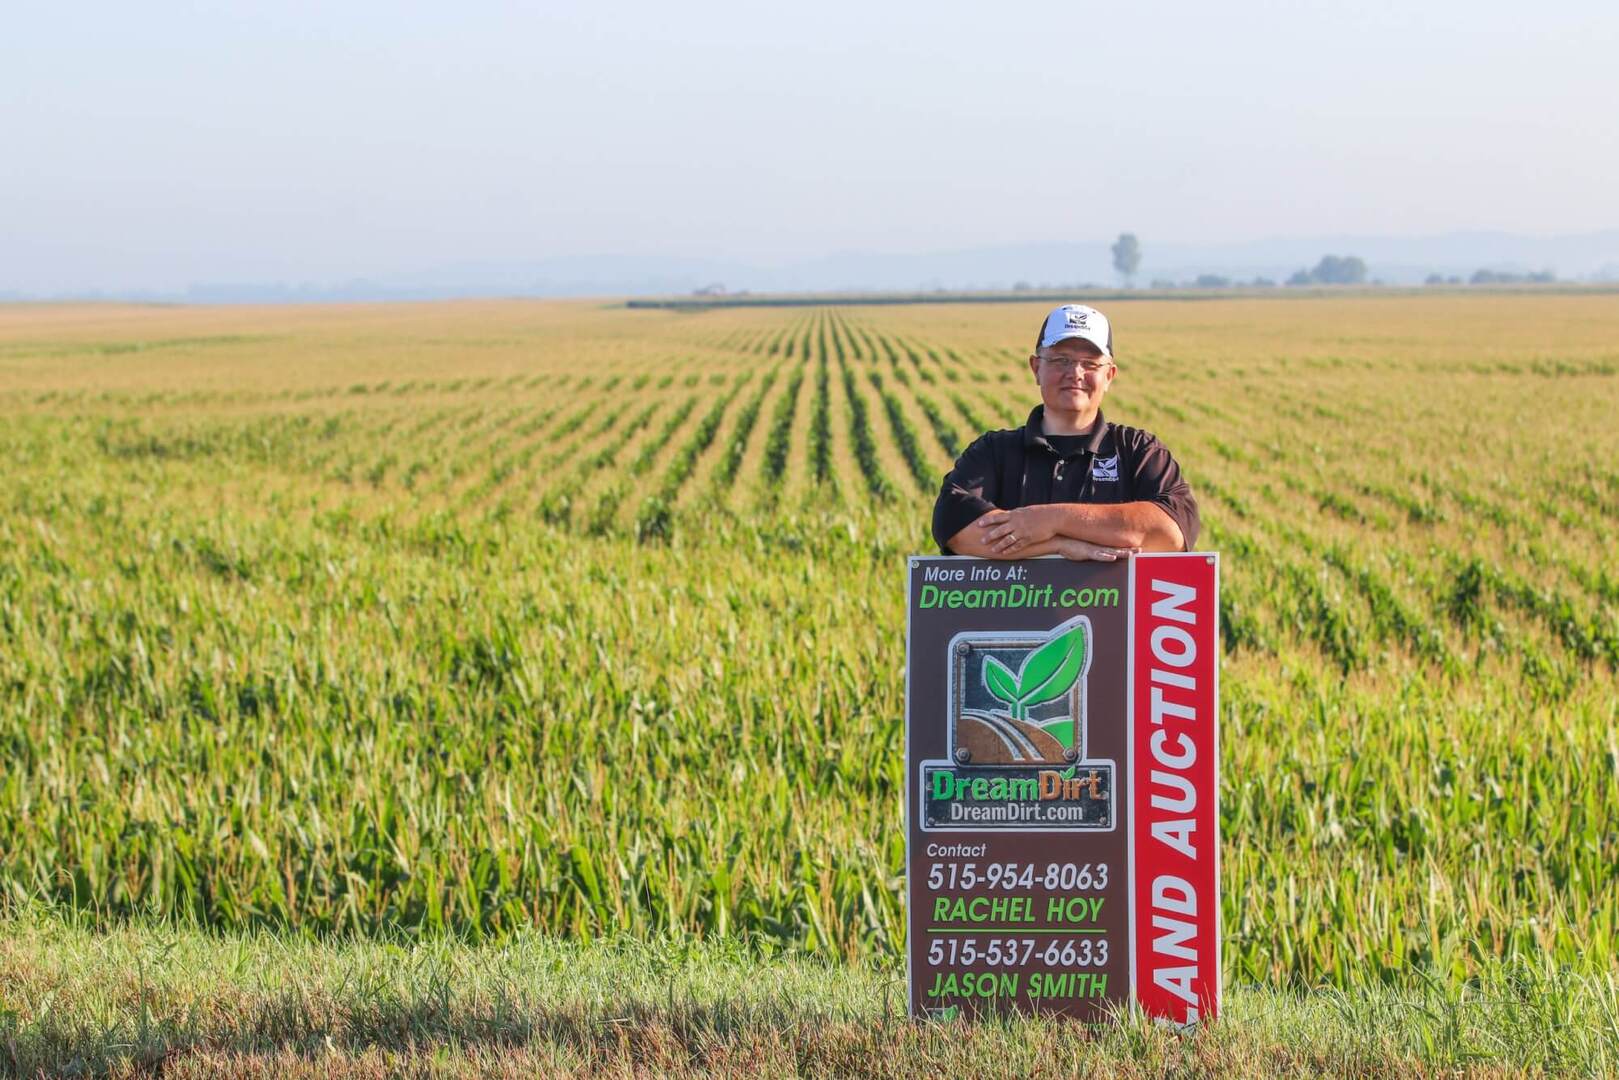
pixel 1072 335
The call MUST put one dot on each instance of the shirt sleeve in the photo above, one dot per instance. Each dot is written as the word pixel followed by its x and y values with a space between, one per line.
pixel 1158 480
pixel 969 491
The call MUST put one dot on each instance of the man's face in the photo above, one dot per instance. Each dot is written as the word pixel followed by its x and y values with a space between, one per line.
pixel 1073 375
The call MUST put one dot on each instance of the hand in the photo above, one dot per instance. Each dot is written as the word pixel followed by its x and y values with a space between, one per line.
pixel 1081 550
pixel 1007 532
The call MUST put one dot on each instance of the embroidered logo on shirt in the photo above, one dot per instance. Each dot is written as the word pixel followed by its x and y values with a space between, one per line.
pixel 1105 468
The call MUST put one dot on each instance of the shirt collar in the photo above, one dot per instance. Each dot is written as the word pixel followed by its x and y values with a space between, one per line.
pixel 1033 436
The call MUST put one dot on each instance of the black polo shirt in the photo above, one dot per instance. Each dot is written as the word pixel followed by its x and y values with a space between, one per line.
pixel 1020 467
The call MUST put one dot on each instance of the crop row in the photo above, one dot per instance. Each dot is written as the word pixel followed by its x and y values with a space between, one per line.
pixel 778 440
pixel 905 437
pixel 725 471
pixel 820 438
pixel 863 444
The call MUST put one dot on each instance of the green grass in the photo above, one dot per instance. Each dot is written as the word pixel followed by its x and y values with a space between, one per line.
pixel 135 999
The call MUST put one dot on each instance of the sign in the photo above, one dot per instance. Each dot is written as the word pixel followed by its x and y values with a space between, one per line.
pixel 1061 750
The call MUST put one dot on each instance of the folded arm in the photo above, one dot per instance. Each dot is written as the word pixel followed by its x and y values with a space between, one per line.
pixel 975 540
pixel 1028 531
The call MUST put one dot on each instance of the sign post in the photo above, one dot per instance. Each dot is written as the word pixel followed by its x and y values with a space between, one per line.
pixel 1061 741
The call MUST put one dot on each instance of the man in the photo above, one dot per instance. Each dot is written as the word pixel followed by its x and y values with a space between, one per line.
pixel 1069 482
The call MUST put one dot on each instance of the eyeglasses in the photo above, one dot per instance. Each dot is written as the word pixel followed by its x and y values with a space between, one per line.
pixel 1068 366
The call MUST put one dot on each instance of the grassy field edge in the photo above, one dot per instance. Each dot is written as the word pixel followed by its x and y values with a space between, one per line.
pixel 139 999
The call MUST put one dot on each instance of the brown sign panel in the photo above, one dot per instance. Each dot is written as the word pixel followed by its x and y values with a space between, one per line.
pixel 1020 743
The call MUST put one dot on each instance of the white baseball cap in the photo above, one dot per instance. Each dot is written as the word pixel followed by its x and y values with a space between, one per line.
pixel 1076 321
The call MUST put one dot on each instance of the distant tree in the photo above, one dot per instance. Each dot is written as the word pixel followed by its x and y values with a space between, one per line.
pixel 1162 283
pixel 1127 256
pixel 1332 270
pixel 1340 270
pixel 1483 277
pixel 1211 281
pixel 1264 283
pixel 1435 279
pixel 1022 286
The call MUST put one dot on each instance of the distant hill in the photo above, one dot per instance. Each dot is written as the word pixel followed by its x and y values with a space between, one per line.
pixel 1044 267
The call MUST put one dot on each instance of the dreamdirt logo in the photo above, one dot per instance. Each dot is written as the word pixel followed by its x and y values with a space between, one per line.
pixel 1019 697
pixel 1017 703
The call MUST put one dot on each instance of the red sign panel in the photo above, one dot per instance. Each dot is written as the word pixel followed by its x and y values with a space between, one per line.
pixel 1174 740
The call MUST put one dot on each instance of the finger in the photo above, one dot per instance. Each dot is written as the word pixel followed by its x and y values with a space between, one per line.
pixel 993 517
pixel 997 532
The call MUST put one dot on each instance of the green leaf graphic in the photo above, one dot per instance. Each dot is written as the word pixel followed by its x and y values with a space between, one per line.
pixel 1052 668
pixel 1000 681
pixel 1061 729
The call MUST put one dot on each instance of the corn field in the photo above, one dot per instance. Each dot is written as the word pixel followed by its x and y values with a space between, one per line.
pixel 459 618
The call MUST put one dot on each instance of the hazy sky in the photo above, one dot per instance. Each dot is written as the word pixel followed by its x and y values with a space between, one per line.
pixel 148 145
